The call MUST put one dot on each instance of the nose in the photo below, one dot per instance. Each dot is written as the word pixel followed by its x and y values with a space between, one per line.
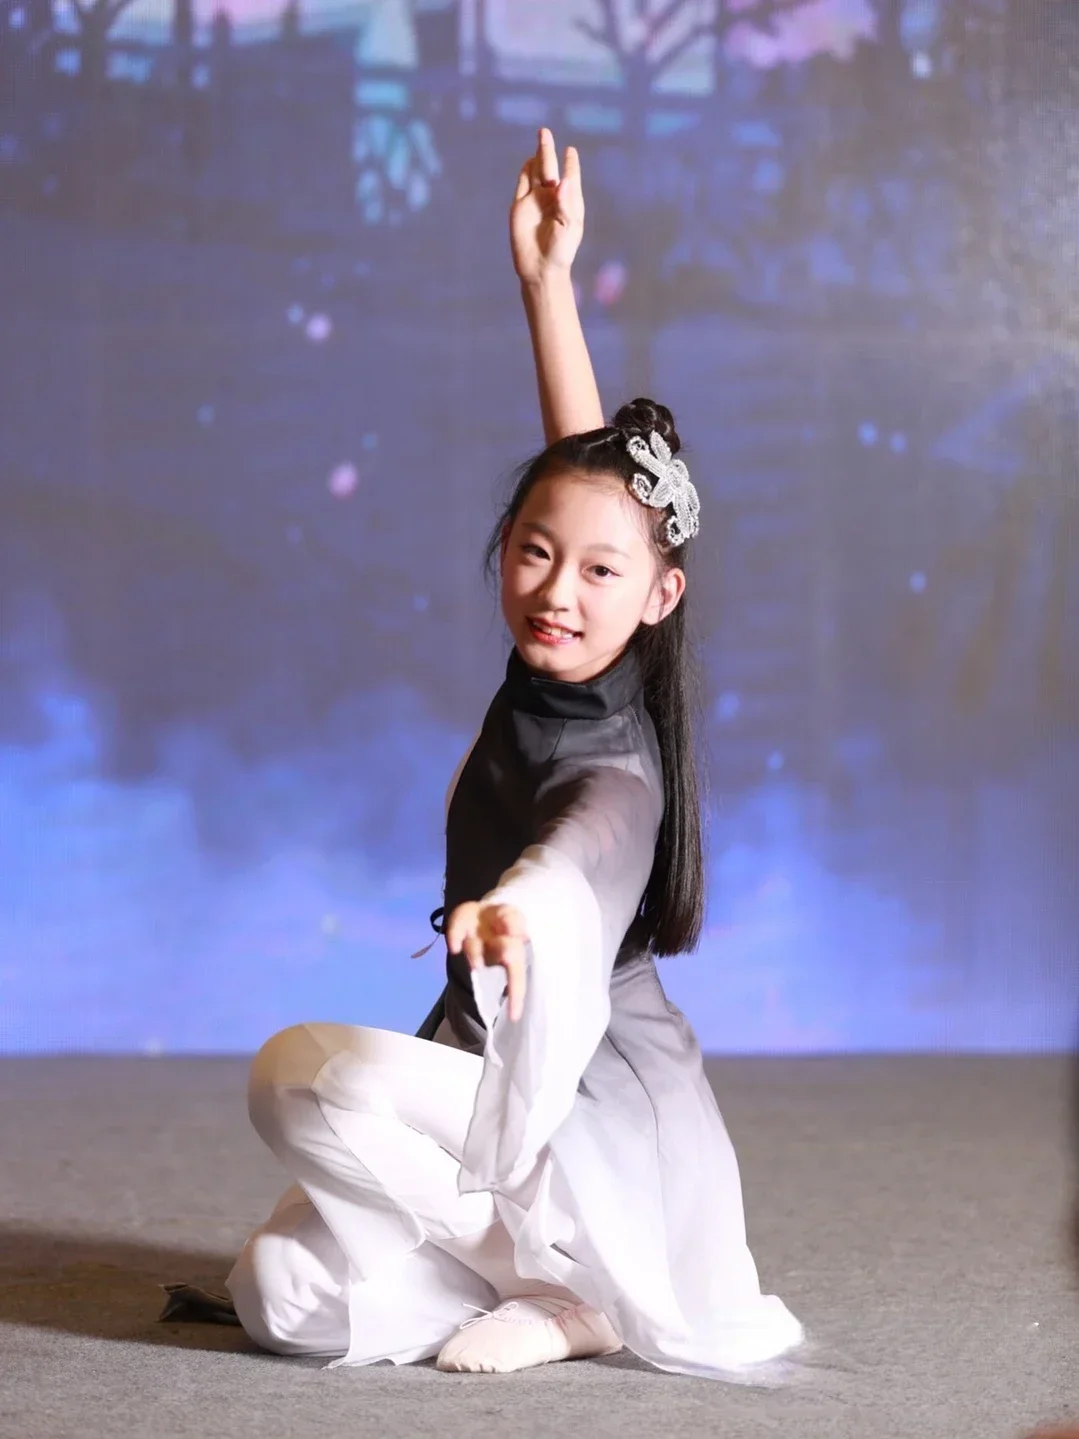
pixel 556 591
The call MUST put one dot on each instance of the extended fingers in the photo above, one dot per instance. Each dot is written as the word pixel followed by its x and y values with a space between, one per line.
pixel 463 934
pixel 461 922
pixel 492 935
pixel 547 158
pixel 571 168
pixel 507 951
pixel 473 947
pixel 570 192
pixel 516 971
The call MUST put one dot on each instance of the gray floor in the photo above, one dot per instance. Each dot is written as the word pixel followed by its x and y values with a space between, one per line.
pixel 910 1210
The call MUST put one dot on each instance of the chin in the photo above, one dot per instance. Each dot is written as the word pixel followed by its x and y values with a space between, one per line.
pixel 541 658
pixel 550 660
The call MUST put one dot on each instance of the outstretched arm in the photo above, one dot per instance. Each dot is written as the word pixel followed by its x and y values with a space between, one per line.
pixel 584 872
pixel 563 908
pixel 546 225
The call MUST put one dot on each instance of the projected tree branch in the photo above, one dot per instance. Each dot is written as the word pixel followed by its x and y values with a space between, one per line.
pixel 96 19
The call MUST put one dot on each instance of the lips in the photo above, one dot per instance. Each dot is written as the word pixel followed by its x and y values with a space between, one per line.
pixel 551 634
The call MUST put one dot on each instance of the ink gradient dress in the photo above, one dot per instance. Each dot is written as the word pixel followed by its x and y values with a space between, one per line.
pixel 594 1125
pixel 586 1129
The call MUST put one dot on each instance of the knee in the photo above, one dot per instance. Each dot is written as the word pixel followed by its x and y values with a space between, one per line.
pixel 275 1305
pixel 253 1296
pixel 288 1062
pixel 291 1072
pixel 289 1058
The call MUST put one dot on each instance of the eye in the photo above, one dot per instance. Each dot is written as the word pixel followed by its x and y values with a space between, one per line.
pixel 606 571
pixel 534 549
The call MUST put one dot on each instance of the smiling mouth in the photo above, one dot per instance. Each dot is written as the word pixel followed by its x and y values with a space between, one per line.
pixel 553 634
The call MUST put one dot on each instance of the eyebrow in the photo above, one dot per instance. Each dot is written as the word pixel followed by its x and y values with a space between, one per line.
pixel 546 533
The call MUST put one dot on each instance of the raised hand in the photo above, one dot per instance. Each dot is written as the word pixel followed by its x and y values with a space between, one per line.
pixel 493 935
pixel 547 215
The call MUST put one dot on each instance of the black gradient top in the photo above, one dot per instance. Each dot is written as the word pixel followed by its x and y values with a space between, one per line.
pixel 571 765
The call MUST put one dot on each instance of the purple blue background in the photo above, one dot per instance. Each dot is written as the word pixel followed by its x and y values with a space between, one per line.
pixel 262 374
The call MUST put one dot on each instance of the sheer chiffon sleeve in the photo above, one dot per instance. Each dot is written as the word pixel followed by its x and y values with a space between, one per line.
pixel 579 887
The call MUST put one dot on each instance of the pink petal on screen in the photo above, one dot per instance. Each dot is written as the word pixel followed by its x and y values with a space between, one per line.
pixel 343 481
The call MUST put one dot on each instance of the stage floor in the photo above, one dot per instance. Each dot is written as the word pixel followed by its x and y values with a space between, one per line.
pixel 910 1210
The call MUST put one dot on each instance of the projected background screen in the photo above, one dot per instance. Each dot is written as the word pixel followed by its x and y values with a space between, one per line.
pixel 263 373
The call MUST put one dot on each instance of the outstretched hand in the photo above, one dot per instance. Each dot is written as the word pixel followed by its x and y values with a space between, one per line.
pixel 547 215
pixel 493 935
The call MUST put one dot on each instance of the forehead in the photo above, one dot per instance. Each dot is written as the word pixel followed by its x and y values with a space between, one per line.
pixel 585 510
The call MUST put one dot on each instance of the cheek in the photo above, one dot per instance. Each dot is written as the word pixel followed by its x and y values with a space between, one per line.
pixel 514 579
pixel 640 601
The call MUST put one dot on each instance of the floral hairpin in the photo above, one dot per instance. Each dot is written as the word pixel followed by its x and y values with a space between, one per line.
pixel 671 487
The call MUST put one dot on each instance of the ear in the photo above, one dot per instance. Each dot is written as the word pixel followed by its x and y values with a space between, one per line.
pixel 665 597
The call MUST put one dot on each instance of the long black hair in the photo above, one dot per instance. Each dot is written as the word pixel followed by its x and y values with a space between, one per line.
pixel 672 910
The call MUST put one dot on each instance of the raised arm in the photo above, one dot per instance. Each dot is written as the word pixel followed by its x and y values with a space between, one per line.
pixel 546 225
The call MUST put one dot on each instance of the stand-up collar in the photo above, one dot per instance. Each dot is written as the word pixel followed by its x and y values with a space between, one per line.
pixel 593 699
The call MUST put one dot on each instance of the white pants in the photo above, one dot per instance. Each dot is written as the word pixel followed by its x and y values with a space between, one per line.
pixel 372 1253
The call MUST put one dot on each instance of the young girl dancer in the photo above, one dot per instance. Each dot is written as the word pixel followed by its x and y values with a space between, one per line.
pixel 543 1174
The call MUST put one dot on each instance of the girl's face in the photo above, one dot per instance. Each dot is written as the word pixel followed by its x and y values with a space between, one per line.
pixel 579 576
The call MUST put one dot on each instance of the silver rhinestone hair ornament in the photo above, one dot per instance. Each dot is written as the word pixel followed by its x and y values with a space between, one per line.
pixel 671 486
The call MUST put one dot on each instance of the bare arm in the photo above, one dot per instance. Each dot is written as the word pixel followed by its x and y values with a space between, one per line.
pixel 546 225
pixel 569 398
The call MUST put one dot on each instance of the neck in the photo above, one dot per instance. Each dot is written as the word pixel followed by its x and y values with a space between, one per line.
pixel 602 695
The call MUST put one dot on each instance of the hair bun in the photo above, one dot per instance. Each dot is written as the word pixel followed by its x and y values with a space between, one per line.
pixel 642 416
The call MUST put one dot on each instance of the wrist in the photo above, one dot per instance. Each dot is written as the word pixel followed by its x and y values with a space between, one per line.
pixel 553 279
